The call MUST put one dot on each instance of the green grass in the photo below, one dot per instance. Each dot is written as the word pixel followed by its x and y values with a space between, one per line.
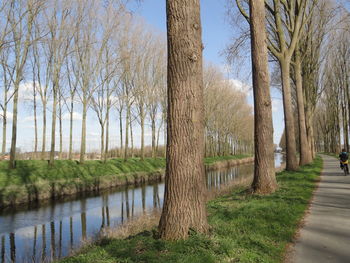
pixel 32 171
pixel 244 228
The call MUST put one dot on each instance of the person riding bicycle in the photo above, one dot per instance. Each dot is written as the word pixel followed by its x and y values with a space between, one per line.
pixel 343 157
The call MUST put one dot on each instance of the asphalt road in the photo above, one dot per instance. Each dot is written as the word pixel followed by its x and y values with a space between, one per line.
pixel 325 236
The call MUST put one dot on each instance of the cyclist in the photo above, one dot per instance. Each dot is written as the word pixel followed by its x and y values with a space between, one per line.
pixel 343 157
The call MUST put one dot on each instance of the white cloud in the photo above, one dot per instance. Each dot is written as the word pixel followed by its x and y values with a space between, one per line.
pixel 240 86
pixel 26 91
pixel 9 115
pixel 94 134
pixel 30 118
pixel 76 116
pixel 277 105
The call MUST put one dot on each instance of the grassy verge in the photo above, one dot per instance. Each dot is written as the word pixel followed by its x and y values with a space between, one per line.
pixel 34 170
pixel 244 228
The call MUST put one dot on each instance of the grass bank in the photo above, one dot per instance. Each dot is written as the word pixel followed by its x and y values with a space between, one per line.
pixel 34 180
pixel 244 228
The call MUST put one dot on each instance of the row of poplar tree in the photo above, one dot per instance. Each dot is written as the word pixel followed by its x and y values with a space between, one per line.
pixel 95 57
pixel 297 36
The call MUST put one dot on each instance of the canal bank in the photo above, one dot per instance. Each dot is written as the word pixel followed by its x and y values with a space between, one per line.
pixel 33 181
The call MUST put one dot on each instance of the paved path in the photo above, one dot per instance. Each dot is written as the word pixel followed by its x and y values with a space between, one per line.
pixel 325 236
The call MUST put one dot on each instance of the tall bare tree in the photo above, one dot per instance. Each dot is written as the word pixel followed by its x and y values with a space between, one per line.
pixel 22 18
pixel 73 84
pixel 59 41
pixel 7 73
pixel 264 168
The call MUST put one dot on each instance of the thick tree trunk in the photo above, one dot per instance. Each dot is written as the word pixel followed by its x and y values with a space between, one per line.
pixel 165 131
pixel 305 153
pixel 184 201
pixel 347 119
pixel 291 158
pixel 12 163
pixel 53 125
pixel 83 134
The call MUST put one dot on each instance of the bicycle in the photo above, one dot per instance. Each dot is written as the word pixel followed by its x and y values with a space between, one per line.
pixel 345 167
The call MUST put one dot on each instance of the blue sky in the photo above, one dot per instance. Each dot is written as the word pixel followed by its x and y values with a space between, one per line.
pixel 216 35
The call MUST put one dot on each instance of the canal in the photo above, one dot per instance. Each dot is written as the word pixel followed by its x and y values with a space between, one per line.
pixel 53 230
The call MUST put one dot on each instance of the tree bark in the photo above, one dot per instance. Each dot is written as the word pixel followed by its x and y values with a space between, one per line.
pixel 165 131
pixel 291 158
pixel 184 198
pixel 305 153
pixel 347 119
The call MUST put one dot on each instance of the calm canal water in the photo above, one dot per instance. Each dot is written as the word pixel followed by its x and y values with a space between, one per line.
pixel 53 230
